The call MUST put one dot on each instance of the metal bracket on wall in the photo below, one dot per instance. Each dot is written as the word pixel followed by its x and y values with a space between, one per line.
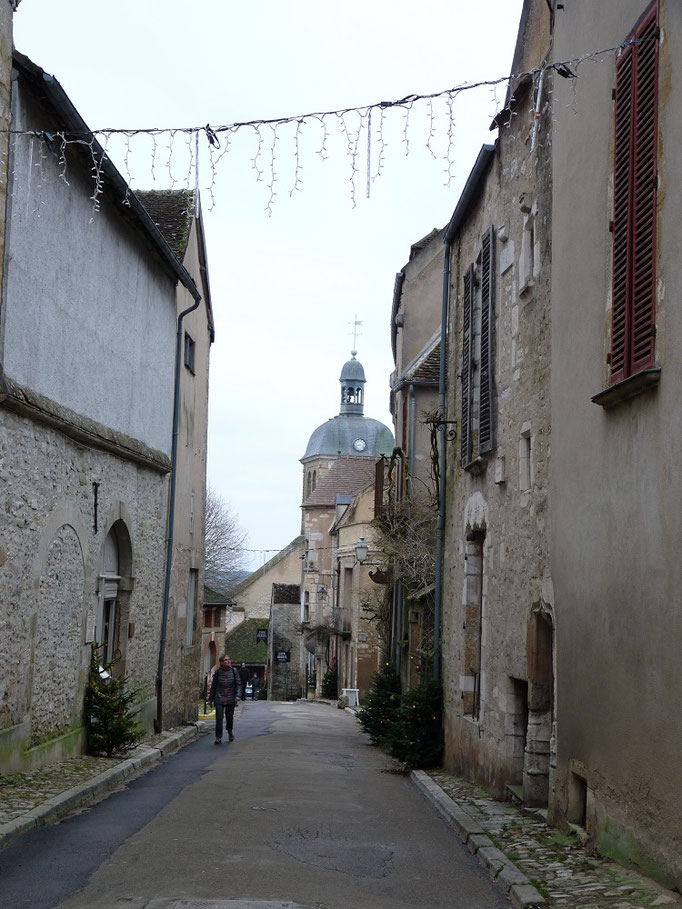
pixel 450 434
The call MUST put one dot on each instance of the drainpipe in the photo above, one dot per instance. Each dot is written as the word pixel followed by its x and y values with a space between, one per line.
pixel 442 455
pixel 158 725
pixel 398 625
pixel 413 416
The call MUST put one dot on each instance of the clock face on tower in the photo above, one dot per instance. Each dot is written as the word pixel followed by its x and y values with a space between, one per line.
pixel 359 444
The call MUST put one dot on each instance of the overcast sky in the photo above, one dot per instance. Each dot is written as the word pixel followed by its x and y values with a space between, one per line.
pixel 288 278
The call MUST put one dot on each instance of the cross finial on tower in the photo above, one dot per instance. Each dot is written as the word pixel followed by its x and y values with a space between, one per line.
pixel 355 323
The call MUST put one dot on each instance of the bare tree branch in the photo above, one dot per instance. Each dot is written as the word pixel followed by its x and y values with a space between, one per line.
pixel 225 557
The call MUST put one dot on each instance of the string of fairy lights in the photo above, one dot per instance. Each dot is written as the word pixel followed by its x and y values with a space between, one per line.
pixel 195 147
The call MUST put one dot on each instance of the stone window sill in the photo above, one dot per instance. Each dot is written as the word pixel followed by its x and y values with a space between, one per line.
pixel 628 388
pixel 477 466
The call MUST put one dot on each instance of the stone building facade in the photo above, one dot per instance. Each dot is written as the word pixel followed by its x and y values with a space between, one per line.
pixel 339 461
pixel 324 628
pixel 350 432
pixel 498 621
pixel 85 427
pixel 284 643
pixel 359 602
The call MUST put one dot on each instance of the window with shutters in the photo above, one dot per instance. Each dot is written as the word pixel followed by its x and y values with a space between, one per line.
pixel 190 348
pixel 477 429
pixel 635 191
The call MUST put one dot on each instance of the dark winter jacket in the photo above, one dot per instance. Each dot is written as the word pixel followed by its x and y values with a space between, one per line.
pixel 226 686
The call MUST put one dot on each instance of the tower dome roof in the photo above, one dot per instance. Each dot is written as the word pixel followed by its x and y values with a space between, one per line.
pixel 353 371
pixel 351 433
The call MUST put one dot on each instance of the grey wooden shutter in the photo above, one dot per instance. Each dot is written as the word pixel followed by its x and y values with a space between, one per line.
pixel 486 416
pixel 466 435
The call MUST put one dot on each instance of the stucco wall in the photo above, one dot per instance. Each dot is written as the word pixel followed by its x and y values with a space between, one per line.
pixel 421 300
pixel 93 326
pixel 183 674
pixel 617 474
pixel 50 559
pixel 253 595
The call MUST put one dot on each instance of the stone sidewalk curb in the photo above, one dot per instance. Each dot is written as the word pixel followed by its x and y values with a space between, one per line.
pixel 501 869
pixel 57 807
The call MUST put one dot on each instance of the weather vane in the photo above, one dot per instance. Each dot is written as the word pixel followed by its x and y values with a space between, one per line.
pixel 355 323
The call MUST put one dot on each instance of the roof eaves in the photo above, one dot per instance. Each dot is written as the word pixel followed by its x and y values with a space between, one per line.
pixel 405 376
pixel 470 191
pixel 397 293
pixel 203 268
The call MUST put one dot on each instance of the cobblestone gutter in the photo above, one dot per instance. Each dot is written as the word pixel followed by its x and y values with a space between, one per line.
pixel 533 863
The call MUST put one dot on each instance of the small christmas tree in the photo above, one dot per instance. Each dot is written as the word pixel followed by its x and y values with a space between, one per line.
pixel 111 724
pixel 330 682
pixel 415 731
pixel 383 700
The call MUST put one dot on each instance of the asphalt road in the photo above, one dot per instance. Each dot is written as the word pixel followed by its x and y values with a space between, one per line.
pixel 298 810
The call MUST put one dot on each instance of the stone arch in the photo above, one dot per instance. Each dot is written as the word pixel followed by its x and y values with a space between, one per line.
pixel 474 600
pixel 56 651
pixel 120 521
pixel 114 586
pixel 540 737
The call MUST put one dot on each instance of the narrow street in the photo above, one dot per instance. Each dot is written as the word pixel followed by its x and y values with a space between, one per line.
pixel 298 808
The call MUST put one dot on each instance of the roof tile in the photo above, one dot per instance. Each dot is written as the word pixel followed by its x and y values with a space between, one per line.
pixel 346 476
pixel 172 211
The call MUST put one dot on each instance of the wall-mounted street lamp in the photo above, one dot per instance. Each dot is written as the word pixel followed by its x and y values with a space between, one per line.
pixel 361 550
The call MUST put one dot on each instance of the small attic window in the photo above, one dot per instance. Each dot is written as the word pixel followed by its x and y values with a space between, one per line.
pixel 189 352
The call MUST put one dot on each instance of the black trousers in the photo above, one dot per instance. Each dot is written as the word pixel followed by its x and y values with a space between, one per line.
pixel 226 710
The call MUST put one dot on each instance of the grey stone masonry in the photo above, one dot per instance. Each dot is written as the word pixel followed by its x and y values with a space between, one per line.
pixel 533 863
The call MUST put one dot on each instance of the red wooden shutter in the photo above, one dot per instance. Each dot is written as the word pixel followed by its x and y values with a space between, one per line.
pixel 645 180
pixel 485 412
pixel 467 365
pixel 635 189
pixel 621 216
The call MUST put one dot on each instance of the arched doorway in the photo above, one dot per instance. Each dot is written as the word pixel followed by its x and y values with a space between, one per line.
pixel 540 708
pixel 112 613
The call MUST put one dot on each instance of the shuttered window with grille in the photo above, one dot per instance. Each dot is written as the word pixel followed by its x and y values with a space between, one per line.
pixel 466 428
pixel 635 192
pixel 478 373
pixel 485 408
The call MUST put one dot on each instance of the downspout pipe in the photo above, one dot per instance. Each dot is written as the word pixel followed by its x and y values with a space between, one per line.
pixel 413 419
pixel 171 509
pixel 442 456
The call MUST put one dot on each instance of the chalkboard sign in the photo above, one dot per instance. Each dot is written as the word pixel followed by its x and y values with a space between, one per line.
pixel 282 656
pixel 262 635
